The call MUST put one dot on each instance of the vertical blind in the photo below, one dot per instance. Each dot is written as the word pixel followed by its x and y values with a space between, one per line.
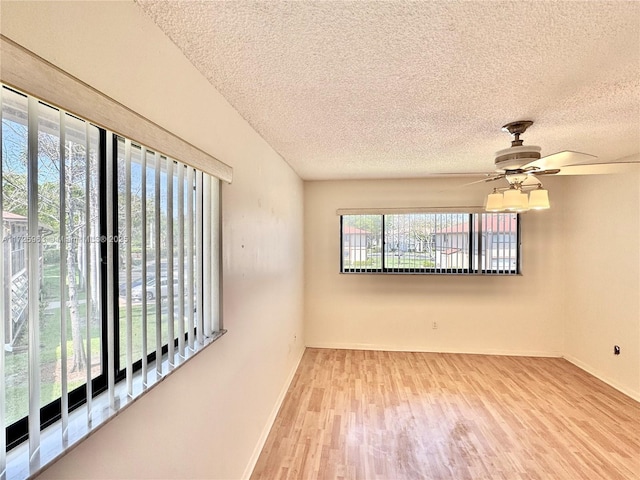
pixel 436 243
pixel 109 271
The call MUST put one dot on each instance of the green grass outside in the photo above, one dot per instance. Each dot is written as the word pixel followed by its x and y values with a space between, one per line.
pixel 407 260
pixel 16 363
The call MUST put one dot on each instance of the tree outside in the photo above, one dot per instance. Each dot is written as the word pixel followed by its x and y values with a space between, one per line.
pixel 66 244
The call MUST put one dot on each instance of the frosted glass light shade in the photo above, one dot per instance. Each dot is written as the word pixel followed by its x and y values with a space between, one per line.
pixel 524 203
pixel 494 202
pixel 511 199
pixel 539 199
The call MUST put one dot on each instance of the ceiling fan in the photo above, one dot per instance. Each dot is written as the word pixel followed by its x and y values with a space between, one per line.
pixel 521 165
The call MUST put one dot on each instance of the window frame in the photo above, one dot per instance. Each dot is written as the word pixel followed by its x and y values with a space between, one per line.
pixel 474 242
pixel 29 74
pixel 17 433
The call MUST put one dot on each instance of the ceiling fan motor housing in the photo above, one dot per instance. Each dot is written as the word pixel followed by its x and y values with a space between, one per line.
pixel 513 158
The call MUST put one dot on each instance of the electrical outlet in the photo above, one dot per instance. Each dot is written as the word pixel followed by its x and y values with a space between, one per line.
pixel 434 325
pixel 616 350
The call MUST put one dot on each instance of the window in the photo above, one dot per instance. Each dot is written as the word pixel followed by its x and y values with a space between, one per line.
pixel 164 217
pixel 440 243
pixel 103 274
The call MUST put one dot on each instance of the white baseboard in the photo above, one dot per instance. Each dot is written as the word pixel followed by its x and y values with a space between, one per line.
pixel 422 349
pixel 270 420
pixel 609 381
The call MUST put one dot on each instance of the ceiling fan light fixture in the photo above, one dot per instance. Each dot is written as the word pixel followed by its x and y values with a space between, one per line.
pixel 512 199
pixel 521 165
pixel 494 202
pixel 539 199
pixel 513 158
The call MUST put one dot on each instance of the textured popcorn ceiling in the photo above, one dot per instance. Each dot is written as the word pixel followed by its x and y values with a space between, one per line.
pixel 365 89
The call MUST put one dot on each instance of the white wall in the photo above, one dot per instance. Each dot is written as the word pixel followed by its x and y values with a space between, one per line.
pixel 505 315
pixel 579 294
pixel 602 220
pixel 207 419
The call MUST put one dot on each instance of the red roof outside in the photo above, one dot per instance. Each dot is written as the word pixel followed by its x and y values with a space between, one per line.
pixel 348 229
pixel 12 216
pixel 490 223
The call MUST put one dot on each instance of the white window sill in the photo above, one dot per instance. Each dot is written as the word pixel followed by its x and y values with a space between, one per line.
pixel 81 426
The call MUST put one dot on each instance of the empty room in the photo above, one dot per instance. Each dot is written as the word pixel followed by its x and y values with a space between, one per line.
pixel 298 240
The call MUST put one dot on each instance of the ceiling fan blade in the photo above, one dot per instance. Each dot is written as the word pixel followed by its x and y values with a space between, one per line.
pixel 560 159
pixel 598 168
pixel 485 180
pixel 550 171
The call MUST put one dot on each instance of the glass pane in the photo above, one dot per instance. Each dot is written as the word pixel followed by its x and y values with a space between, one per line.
pixel 361 242
pixel 122 260
pixel 169 279
pixel 93 244
pixel 49 252
pixel 187 248
pixel 431 243
pixel 176 233
pixel 451 241
pixel 14 223
pixel 64 241
pixel 134 240
pixel 500 237
pixel 190 253
pixel 160 279
pixel 147 293
pixel 152 290
pixel 409 241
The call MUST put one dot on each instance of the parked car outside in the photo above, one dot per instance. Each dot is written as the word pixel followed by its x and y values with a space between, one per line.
pixel 137 293
pixel 122 288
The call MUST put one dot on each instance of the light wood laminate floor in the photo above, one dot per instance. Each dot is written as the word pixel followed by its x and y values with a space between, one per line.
pixel 353 414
